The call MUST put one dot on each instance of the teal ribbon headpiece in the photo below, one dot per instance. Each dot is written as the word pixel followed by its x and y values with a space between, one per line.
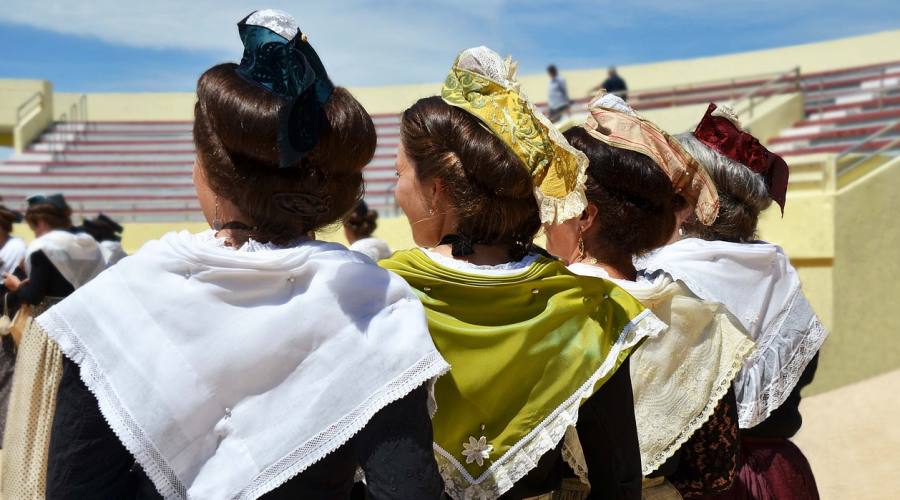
pixel 279 58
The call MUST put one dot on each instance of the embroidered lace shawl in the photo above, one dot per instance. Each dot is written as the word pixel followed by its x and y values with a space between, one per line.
pixel 225 373
pixel 679 376
pixel 526 348
pixel 76 256
pixel 758 285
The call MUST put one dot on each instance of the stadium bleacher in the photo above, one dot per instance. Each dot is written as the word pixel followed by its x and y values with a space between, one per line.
pixel 141 171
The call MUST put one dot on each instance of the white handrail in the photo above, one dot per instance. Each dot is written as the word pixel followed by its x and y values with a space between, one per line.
pixel 868 155
pixel 38 95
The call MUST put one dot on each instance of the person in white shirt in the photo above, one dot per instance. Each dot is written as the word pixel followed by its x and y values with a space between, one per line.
pixel 12 249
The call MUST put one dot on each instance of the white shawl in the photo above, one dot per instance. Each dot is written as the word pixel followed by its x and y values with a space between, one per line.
pixel 12 253
pixel 225 373
pixel 76 256
pixel 112 251
pixel 679 376
pixel 758 284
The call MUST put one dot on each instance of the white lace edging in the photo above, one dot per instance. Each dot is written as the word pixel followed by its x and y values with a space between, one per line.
pixel 523 456
pixel 753 413
pixel 135 439
pixel 508 268
pixel 719 391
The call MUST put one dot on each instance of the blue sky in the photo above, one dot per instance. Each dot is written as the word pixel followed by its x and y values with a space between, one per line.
pixel 114 45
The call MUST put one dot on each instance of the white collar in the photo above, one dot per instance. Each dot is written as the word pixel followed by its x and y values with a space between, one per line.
pixel 203 358
pixel 757 283
pixel 505 269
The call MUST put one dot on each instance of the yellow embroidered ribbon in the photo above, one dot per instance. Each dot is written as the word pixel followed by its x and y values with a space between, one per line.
pixel 557 169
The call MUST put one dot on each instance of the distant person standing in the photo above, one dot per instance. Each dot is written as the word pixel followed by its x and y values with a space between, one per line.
pixel 558 98
pixel 614 84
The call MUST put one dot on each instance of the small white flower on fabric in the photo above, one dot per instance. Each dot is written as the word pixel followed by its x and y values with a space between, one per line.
pixel 477 450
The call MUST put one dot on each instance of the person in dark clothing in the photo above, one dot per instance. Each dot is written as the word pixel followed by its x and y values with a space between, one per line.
pixel 632 201
pixel 57 262
pixel 395 443
pixel 614 84
pixel 249 360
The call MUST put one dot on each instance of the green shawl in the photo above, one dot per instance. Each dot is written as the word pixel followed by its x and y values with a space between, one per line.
pixel 525 350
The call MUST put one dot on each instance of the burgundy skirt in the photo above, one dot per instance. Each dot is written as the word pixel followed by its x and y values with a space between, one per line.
pixel 772 469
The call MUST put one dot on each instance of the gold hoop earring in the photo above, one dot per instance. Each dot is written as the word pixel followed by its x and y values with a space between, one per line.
pixel 217 222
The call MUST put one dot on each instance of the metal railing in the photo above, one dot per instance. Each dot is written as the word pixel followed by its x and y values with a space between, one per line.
pixel 867 155
pixel 33 102
pixel 881 91
pixel 767 90
pixel 77 111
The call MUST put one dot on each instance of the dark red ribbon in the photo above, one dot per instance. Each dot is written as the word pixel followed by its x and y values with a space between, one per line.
pixel 720 134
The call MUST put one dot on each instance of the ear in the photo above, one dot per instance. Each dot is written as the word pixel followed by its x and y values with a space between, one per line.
pixel 437 191
pixel 588 218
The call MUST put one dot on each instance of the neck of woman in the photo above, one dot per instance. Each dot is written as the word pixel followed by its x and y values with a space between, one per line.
pixel 484 255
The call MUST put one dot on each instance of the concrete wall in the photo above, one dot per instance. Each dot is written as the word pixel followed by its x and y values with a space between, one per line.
pixel 134 106
pixel 864 341
pixel 39 114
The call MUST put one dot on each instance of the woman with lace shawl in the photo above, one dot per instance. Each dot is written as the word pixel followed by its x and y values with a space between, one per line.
pixel 539 380
pixel 638 176
pixel 249 360
pixel 756 282
pixel 57 262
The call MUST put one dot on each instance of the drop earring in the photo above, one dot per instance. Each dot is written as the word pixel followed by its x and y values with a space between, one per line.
pixel 217 222
pixel 582 253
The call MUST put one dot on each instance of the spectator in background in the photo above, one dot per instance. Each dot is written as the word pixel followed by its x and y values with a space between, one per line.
pixel 558 95
pixel 358 228
pixel 108 234
pixel 614 84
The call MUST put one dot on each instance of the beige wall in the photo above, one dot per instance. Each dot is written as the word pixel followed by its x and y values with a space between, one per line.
pixel 39 114
pixel 137 106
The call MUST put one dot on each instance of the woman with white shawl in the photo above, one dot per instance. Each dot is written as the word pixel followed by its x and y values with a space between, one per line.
pixel 757 283
pixel 638 176
pixel 250 360
pixel 57 262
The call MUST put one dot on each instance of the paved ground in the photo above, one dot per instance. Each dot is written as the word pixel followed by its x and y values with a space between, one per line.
pixel 852 439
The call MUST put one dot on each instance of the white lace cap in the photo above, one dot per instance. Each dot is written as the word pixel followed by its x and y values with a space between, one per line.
pixel 486 62
pixel 613 102
pixel 276 20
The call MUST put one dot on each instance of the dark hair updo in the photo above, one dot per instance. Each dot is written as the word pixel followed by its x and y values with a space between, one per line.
pixel 8 218
pixel 635 200
pixel 489 188
pixel 54 216
pixel 235 132
pixel 362 220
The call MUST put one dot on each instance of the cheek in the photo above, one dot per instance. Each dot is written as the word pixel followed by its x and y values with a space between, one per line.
pixel 406 197
pixel 561 240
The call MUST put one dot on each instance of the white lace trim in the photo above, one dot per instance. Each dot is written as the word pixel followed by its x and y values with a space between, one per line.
pixel 752 412
pixel 718 392
pixel 276 20
pixel 507 268
pixel 250 246
pixel 135 439
pixel 524 455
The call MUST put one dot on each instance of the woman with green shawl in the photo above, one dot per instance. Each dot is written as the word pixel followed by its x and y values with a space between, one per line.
pixel 539 381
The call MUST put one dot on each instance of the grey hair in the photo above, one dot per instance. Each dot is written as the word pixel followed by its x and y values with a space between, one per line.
pixel 742 195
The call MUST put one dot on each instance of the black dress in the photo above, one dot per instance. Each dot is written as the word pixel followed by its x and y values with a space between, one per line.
pixel 44 281
pixel 87 461
pixel 608 435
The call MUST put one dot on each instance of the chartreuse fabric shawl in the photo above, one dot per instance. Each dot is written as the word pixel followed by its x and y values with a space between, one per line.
pixel 525 351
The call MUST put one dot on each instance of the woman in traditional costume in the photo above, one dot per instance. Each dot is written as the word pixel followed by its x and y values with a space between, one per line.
pixel 57 262
pixel 358 228
pixel 637 179
pixel 108 234
pixel 12 259
pixel 755 281
pixel 250 360
pixel 539 380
